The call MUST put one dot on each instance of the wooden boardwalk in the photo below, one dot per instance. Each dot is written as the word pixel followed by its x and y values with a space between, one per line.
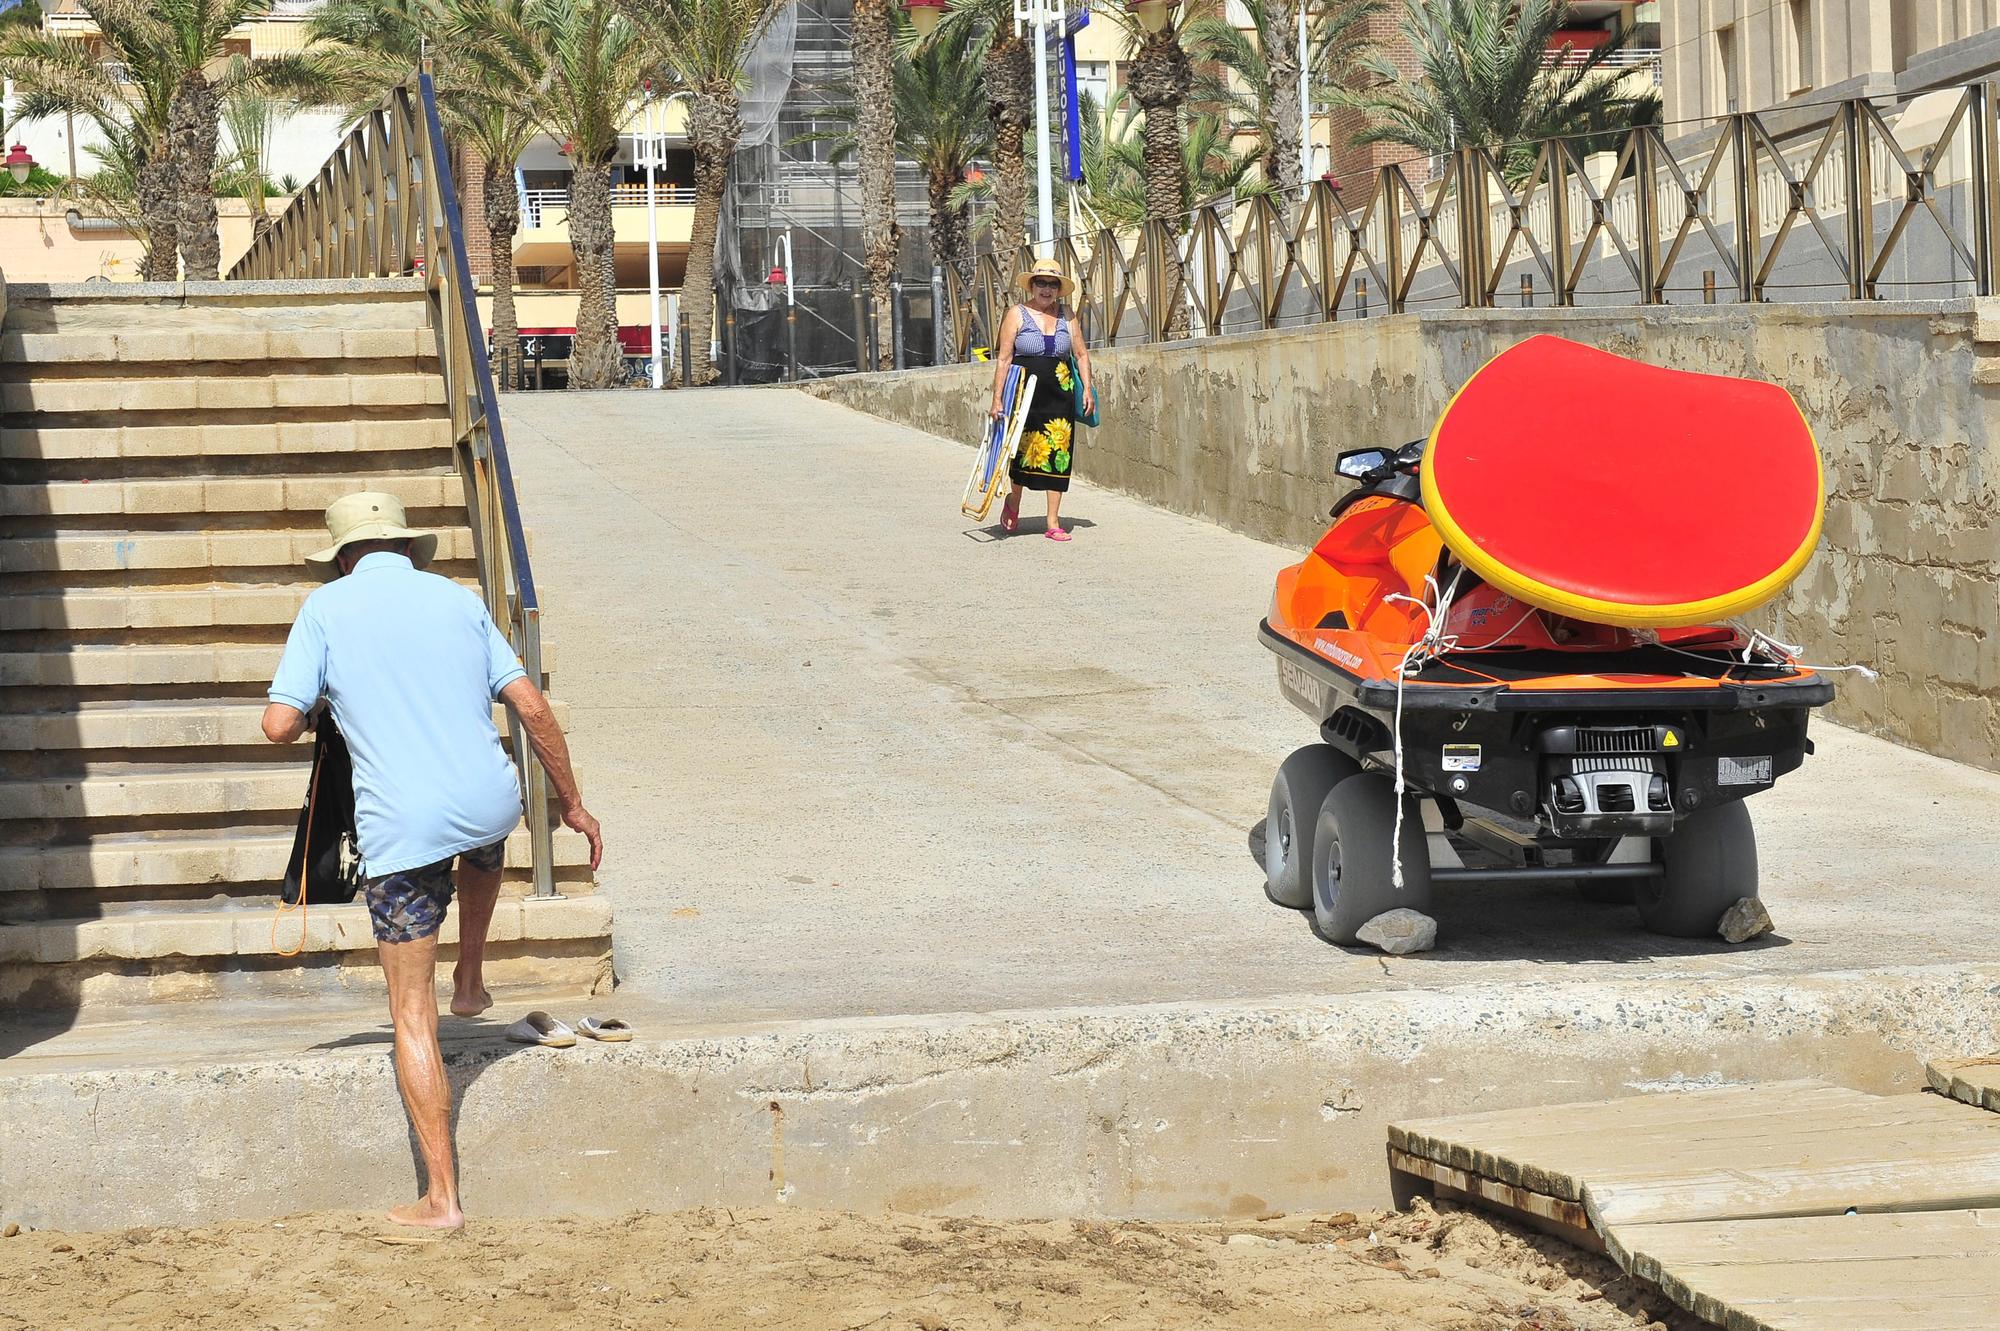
pixel 1792 1206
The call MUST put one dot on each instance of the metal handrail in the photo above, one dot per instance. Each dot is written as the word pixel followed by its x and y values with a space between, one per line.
pixel 385 205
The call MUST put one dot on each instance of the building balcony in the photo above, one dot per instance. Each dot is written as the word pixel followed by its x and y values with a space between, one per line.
pixel 1636 60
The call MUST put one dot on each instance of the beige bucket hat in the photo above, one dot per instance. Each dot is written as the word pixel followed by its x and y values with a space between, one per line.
pixel 371 516
pixel 1047 268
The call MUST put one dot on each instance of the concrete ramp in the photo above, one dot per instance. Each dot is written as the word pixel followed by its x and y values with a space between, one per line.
pixel 1791 1206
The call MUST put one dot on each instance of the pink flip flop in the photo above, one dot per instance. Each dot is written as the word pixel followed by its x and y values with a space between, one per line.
pixel 1056 534
pixel 1010 514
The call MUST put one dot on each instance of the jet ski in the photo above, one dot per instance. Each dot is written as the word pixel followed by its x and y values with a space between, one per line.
pixel 1524 625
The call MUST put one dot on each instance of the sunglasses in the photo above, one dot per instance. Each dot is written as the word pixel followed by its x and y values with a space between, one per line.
pixel 1046 283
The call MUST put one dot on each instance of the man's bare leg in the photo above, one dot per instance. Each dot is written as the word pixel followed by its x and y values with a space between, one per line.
pixel 478 890
pixel 411 969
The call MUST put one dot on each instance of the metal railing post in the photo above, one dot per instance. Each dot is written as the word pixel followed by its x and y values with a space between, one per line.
pixel 1557 176
pixel 1859 183
pixel 1392 236
pixel 1649 218
pixel 1471 231
pixel 1743 145
pixel 1985 189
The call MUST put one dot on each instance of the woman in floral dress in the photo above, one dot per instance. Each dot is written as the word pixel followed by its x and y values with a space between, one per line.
pixel 1042 336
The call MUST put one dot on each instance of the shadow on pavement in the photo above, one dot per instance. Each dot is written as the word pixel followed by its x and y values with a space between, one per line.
pixel 1541 922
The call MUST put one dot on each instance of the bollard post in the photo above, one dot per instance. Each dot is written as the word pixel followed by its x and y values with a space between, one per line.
pixel 1527 290
pixel 861 361
pixel 791 343
pixel 1708 286
pixel 896 323
pixel 1361 296
pixel 940 353
pixel 729 346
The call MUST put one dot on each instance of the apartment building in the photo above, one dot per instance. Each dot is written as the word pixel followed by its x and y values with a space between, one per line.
pixel 1723 56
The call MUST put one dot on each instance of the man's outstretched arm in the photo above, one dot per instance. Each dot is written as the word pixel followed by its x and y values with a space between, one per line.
pixel 532 709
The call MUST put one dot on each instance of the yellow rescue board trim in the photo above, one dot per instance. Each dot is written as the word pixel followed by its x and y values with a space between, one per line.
pixel 1619 613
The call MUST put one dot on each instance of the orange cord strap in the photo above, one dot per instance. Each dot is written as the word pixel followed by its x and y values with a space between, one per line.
pixel 305 856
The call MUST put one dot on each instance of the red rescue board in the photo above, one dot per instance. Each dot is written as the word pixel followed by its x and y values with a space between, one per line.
pixel 1610 490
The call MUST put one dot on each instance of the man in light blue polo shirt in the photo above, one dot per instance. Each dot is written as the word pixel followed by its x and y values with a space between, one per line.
pixel 410 664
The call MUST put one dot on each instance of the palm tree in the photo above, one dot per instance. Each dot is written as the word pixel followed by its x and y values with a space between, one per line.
pixel 1114 162
pixel 57 74
pixel 481 49
pixel 1484 79
pixel 190 38
pixel 703 45
pixel 250 121
pixel 871 41
pixel 595 62
pixel 1007 69
pixel 1160 74
pixel 1112 192
pixel 22 16
pixel 1267 72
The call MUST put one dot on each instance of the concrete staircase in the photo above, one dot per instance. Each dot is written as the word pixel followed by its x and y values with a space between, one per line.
pixel 166 452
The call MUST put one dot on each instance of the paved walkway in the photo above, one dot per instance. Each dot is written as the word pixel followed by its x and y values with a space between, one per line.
pixel 854 756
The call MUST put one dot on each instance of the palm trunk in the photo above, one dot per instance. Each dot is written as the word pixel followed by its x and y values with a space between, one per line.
pixel 503 219
pixel 872 38
pixel 713 127
pixel 1010 92
pixel 158 189
pixel 947 248
pixel 1162 76
pixel 594 354
pixel 191 129
pixel 1281 57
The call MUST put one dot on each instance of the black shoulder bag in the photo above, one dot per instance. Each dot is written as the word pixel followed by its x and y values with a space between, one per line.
pixel 324 822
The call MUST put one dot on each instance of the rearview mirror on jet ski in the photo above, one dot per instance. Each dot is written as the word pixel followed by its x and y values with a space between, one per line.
pixel 1362 464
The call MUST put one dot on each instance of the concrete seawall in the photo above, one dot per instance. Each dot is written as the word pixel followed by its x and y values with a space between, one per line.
pixel 1157 1111
pixel 1243 431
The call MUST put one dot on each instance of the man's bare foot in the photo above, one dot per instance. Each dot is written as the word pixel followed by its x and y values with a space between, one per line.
pixel 470 1003
pixel 427 1214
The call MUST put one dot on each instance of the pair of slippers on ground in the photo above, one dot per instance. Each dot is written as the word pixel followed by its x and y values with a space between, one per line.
pixel 540 1028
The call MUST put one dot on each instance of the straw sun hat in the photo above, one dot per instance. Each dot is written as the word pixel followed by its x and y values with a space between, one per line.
pixel 371 516
pixel 1047 268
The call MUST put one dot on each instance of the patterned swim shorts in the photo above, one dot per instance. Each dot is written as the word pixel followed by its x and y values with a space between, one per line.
pixel 410 903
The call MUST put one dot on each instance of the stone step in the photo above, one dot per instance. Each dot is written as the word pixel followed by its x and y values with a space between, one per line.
pixel 429 488
pixel 43 307
pixel 193 858
pixel 203 340
pixel 128 551
pixel 142 790
pixel 148 665
pixel 170 724
pixel 218 605
pixel 142 665
pixel 165 790
pixel 247 930
pixel 232 392
pixel 230 440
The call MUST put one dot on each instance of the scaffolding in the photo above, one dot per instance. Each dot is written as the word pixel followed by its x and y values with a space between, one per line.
pixel 796 185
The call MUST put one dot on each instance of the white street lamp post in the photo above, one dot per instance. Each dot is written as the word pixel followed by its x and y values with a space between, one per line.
pixel 1040 14
pixel 1305 110
pixel 651 147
